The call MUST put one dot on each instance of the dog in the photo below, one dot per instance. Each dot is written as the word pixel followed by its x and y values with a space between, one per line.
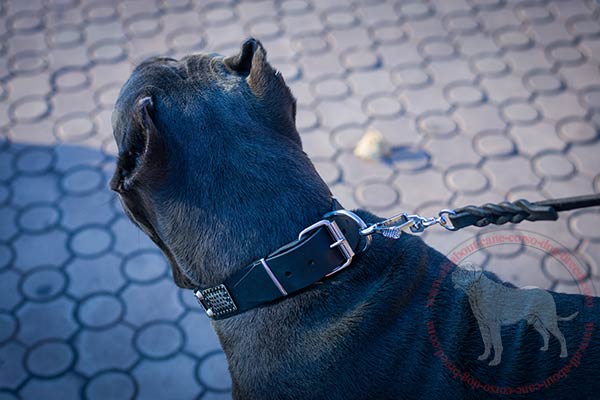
pixel 495 305
pixel 211 167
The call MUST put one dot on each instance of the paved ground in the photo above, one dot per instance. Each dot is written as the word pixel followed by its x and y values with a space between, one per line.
pixel 482 100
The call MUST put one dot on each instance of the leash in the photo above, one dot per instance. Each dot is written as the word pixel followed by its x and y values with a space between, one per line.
pixel 329 245
pixel 480 216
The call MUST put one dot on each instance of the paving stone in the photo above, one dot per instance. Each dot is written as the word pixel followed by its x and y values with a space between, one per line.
pixel 520 112
pixel 345 137
pixel 411 76
pixel 576 130
pixel 55 316
pixel 421 187
pixel 110 385
pixel 461 22
pixel 142 309
pixel 512 39
pixel 159 340
pixel 50 359
pixel 399 53
pixel 10 291
pixel 78 211
pixel 437 49
pixel 128 237
pixel 494 144
pixel 317 144
pixel 437 124
pixel 200 338
pixel 8 229
pixel 31 108
pixel 388 33
pixel 8 326
pixel 101 274
pixel 50 249
pixel 339 18
pixel 564 53
pixel 462 152
pixel 356 170
pixel 376 195
pixel 461 71
pixel 75 127
pixel 510 173
pixel 425 100
pixel 560 106
pixel 43 284
pixel 543 82
pixel 585 26
pixel 586 157
pixel 329 171
pixel 553 165
pixel 352 114
pixel 584 224
pixel 90 241
pixel 464 94
pixel 145 266
pixel 100 311
pixel 12 371
pixel 509 270
pixel 490 65
pixel 211 373
pixel 467 179
pixel 105 349
pixel 383 106
pixel 534 13
pixel 536 138
pixel 7 255
pixel 574 185
pixel 38 217
pixel 360 59
pixel 365 83
pixel 172 378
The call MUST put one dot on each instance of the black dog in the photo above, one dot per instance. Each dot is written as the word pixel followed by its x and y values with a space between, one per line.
pixel 211 167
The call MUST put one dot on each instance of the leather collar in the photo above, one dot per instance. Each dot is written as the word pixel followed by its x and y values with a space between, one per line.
pixel 321 250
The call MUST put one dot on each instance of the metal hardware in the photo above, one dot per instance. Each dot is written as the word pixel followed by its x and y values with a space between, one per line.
pixel 361 224
pixel 216 301
pixel 273 278
pixel 393 227
pixel 339 241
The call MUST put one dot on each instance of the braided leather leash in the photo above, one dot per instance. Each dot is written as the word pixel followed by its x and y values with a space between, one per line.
pixel 480 216
pixel 518 211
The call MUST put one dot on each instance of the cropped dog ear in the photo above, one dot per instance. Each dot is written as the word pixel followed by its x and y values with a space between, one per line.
pixel 252 61
pixel 242 62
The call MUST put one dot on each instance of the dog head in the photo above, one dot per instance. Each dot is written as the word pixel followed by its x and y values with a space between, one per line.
pixel 210 160
pixel 465 276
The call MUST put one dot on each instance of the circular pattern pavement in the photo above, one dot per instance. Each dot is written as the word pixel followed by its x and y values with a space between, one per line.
pixel 88 305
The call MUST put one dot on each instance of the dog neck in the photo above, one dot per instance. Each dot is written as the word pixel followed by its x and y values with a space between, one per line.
pixel 248 214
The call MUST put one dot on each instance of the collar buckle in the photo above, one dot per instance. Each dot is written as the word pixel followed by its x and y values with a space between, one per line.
pixel 339 241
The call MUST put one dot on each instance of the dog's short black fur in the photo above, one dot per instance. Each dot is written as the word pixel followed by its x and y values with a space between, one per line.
pixel 211 167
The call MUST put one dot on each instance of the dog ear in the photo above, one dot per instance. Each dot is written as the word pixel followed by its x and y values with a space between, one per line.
pixel 143 150
pixel 252 62
pixel 242 62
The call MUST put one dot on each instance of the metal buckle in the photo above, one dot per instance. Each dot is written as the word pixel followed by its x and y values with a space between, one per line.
pixel 216 301
pixel 339 241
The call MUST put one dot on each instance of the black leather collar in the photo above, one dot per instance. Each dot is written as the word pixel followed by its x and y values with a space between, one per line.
pixel 322 249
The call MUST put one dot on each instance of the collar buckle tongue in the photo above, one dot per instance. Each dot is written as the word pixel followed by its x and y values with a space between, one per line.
pixel 339 241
